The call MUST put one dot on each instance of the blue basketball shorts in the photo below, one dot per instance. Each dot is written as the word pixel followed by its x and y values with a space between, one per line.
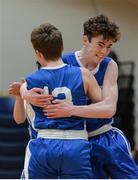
pixel 58 158
pixel 110 156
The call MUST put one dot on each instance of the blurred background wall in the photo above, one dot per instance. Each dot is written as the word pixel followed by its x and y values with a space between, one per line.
pixel 19 17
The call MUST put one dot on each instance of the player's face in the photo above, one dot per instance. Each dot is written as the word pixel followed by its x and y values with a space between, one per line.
pixel 98 48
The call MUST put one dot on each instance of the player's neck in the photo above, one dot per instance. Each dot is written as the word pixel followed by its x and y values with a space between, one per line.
pixel 55 63
pixel 85 60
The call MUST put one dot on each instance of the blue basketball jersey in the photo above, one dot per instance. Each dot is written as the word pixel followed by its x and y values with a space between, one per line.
pixel 99 72
pixel 63 82
pixel 106 162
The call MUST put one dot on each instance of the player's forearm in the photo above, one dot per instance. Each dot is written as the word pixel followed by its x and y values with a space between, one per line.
pixel 19 111
pixel 98 110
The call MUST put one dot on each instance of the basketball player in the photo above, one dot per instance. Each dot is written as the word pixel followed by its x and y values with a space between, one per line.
pixel 110 148
pixel 60 142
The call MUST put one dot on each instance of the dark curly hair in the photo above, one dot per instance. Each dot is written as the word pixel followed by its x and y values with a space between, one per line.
pixel 101 25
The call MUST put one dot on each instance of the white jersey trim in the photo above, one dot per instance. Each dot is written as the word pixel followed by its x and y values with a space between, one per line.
pixel 94 71
pixel 26 162
pixel 30 114
pixel 56 67
pixel 125 140
pixel 78 61
pixel 62 134
pixel 100 130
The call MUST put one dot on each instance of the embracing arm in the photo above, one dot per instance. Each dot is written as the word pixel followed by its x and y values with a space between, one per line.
pixel 36 97
pixel 107 107
pixel 92 89
pixel 103 109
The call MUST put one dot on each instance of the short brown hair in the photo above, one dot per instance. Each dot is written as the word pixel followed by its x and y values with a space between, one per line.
pixel 47 39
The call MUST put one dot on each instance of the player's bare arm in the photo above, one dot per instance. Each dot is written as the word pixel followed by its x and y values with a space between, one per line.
pixel 19 111
pixel 92 89
pixel 110 87
pixel 104 109
pixel 107 107
pixel 62 109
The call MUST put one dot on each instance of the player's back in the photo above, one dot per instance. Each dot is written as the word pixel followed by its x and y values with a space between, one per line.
pixel 63 82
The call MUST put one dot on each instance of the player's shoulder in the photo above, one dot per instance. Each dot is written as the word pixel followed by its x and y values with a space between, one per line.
pixel 112 64
pixel 71 53
pixel 33 74
pixel 112 69
pixel 68 55
pixel 69 58
pixel 109 62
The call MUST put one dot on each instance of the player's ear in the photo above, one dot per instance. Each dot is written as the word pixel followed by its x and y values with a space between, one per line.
pixel 38 54
pixel 85 40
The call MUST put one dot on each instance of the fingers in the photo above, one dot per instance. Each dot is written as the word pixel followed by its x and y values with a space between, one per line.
pixel 57 101
pixel 38 90
pixel 52 114
pixel 22 80
pixel 46 110
pixel 50 106
pixel 45 97
pixel 42 100
pixel 38 93
pixel 10 91
pixel 14 88
pixel 52 111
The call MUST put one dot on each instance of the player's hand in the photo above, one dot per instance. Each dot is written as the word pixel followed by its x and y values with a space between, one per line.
pixel 14 88
pixel 58 109
pixel 36 97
